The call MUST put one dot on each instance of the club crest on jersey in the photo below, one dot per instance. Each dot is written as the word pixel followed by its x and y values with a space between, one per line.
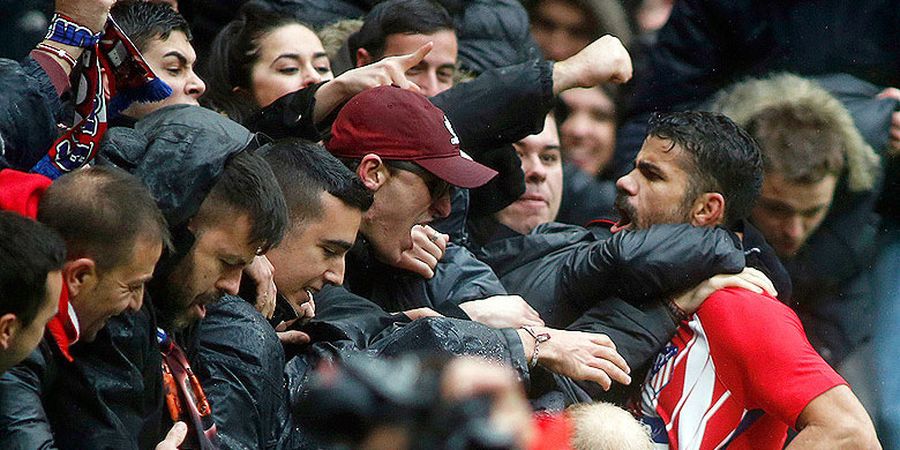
pixel 662 369
pixel 454 139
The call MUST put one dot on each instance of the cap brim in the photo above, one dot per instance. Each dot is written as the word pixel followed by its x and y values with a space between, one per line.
pixel 458 171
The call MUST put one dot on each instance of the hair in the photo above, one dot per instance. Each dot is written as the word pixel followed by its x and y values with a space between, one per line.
pixel 248 186
pixel 723 157
pixel 143 21
pixel 804 132
pixel 398 17
pixel 28 252
pixel 101 212
pixel 603 426
pixel 305 170
pixel 797 144
pixel 234 52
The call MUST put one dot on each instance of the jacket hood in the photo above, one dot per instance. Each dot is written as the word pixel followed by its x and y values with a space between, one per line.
pixel 744 100
pixel 178 152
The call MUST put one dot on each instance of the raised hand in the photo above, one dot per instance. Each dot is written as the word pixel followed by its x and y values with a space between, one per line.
pixel 603 61
pixel 428 248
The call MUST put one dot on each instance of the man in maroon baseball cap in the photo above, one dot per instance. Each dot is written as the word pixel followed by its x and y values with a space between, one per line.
pixel 405 150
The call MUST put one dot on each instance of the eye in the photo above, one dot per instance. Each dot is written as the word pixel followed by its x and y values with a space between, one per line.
pixel 323 70
pixel 174 71
pixel 289 70
pixel 446 75
pixel 550 158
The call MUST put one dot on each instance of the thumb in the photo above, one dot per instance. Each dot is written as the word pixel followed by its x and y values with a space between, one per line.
pixel 409 61
pixel 293 337
pixel 175 436
pixel 890 92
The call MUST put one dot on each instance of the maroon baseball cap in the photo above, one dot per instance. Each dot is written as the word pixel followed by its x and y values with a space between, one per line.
pixel 397 124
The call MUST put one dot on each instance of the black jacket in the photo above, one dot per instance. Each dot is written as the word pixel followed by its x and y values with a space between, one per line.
pixel 240 363
pixel 29 108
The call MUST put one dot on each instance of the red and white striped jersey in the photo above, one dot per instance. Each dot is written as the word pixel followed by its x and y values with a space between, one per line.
pixel 737 373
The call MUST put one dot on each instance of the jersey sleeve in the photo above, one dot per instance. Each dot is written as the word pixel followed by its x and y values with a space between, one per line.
pixel 762 355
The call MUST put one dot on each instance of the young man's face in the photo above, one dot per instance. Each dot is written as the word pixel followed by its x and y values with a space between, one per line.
pixel 210 270
pixel 291 57
pixel 26 338
pixel 560 28
pixel 403 200
pixel 435 73
pixel 311 255
pixel 654 192
pixel 172 60
pixel 117 289
pixel 788 213
pixel 542 165
pixel 589 132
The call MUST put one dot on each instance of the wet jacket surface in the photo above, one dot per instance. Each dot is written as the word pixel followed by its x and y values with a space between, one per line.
pixel 28 109
pixel 240 363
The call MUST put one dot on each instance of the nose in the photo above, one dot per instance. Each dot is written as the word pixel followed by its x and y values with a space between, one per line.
pixel 440 208
pixel 311 76
pixel 576 126
pixel 534 170
pixel 794 227
pixel 626 185
pixel 136 301
pixel 230 281
pixel 195 87
pixel 335 274
pixel 428 83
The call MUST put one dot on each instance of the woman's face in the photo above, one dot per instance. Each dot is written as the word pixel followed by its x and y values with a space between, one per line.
pixel 291 57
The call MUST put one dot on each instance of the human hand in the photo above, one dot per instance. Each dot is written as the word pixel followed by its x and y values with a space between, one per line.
pixel 749 278
pixel 469 377
pixel 502 311
pixel 421 313
pixel 262 272
pixel 174 437
pixel 388 71
pixel 894 143
pixel 88 13
pixel 579 355
pixel 428 248
pixel 293 337
pixel 603 61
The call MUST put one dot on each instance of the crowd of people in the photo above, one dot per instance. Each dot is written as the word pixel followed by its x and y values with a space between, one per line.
pixel 420 224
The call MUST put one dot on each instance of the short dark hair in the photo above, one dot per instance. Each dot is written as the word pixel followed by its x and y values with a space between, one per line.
pixel 723 157
pixel 247 185
pixel 398 17
pixel 28 252
pixel 100 212
pixel 234 52
pixel 800 144
pixel 143 21
pixel 305 170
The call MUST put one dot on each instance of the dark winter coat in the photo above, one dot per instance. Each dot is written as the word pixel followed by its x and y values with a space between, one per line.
pixel 28 113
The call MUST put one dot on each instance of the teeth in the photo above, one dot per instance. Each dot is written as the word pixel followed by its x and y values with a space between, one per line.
pixel 309 294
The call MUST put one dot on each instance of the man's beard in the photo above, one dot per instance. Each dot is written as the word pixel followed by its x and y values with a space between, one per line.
pixel 173 297
pixel 680 214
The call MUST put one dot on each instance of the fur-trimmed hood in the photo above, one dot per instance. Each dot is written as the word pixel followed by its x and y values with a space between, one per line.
pixel 744 100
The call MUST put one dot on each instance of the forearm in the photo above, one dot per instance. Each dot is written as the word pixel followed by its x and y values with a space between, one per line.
pixel 829 436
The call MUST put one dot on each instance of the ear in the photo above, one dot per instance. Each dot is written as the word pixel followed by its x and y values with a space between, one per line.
pixel 9 325
pixel 708 210
pixel 79 276
pixel 373 172
pixel 363 58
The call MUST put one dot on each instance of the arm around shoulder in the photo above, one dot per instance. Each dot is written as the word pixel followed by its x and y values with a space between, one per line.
pixel 835 419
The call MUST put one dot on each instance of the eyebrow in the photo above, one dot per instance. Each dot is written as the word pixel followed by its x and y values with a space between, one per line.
pixel 318 55
pixel 294 56
pixel 650 167
pixel 181 58
pixel 338 243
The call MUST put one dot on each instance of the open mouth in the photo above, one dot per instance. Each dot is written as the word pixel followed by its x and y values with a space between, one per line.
pixel 625 221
